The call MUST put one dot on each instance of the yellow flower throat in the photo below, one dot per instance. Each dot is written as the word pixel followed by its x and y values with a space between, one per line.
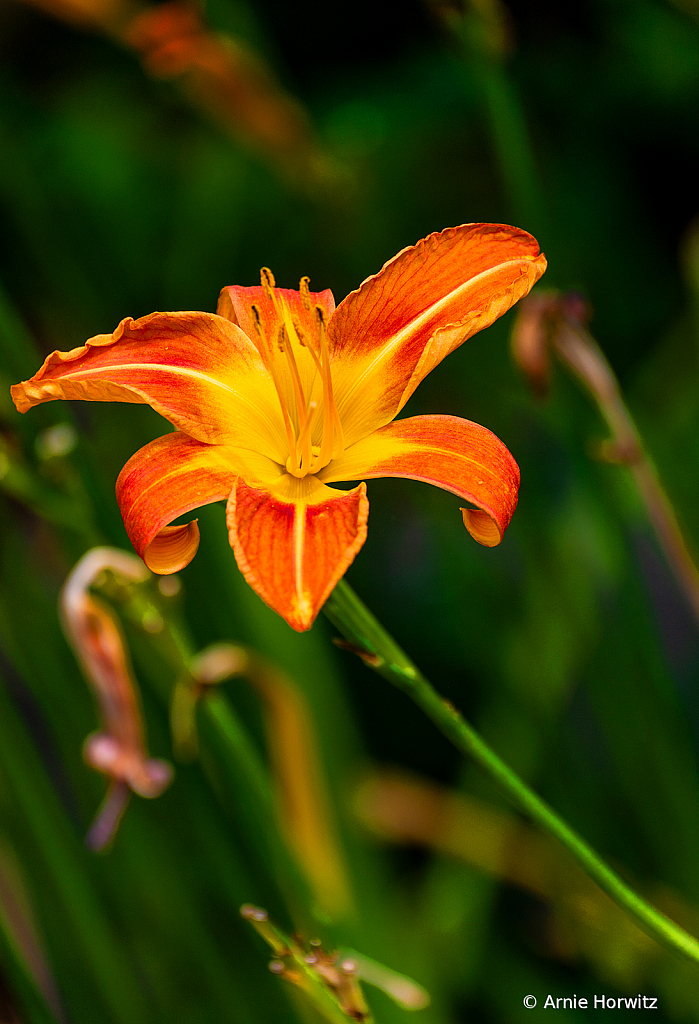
pixel 281 355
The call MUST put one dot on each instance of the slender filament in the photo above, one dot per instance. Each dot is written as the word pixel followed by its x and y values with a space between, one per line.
pixel 301 419
pixel 268 360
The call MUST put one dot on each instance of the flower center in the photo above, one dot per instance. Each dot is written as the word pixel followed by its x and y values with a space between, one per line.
pixel 299 365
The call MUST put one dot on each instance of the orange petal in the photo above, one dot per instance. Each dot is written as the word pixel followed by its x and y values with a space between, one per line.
pixel 235 303
pixel 455 454
pixel 172 548
pixel 386 336
pixel 197 369
pixel 295 541
pixel 171 476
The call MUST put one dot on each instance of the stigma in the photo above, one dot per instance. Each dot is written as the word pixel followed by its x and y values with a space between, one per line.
pixel 297 358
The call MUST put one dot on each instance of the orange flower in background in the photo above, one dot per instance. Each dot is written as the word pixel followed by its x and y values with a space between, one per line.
pixel 280 394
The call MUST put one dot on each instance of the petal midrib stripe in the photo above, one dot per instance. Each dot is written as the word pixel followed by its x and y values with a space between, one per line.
pixel 163 367
pixel 414 325
pixel 384 468
pixel 469 460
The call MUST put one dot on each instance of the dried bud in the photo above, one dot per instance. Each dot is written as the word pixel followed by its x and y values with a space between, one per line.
pixel 118 750
pixel 219 662
pixel 530 339
pixel 576 309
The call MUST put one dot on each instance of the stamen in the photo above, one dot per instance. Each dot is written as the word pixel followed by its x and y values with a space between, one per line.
pixel 333 443
pixel 301 337
pixel 305 290
pixel 324 450
pixel 257 319
pixel 268 283
pixel 305 435
pixel 262 347
pixel 299 461
pixel 304 458
pixel 305 449
pixel 269 363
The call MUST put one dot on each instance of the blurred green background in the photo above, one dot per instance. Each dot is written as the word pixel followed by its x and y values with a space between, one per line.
pixel 131 181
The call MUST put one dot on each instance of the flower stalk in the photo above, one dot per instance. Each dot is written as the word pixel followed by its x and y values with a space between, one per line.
pixel 583 356
pixel 552 323
pixel 367 638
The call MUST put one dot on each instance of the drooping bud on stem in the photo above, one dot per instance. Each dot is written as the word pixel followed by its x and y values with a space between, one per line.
pixel 550 322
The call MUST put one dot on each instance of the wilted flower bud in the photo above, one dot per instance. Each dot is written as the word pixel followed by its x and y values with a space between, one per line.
pixel 118 750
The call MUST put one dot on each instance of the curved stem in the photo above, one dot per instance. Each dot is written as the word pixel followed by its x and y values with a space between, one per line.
pixel 367 638
pixel 583 356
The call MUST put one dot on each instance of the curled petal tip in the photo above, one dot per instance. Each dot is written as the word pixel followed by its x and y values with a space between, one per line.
pixel 20 397
pixel 172 549
pixel 455 454
pixel 482 527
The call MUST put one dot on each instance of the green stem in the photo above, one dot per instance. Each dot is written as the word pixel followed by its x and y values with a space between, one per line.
pixel 48 834
pixel 249 776
pixel 374 645
pixel 22 982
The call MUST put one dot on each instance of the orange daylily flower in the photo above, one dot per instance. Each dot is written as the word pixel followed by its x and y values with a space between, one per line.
pixel 280 394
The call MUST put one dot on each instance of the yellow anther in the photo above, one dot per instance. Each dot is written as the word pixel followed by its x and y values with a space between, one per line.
pixel 258 320
pixel 300 336
pixel 268 283
pixel 304 288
